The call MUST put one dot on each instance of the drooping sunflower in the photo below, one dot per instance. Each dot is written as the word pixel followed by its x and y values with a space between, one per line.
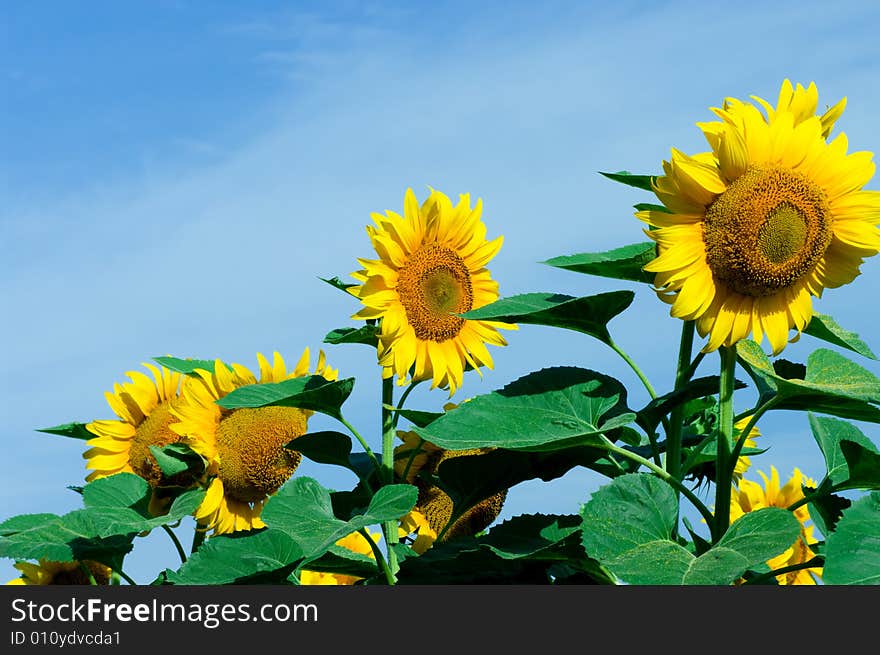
pixel 750 496
pixel 143 406
pixel 431 267
pixel 244 448
pixel 48 572
pixel 354 542
pixel 768 218
pixel 743 462
pixel 415 460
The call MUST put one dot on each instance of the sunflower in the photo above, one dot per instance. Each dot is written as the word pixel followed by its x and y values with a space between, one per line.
pixel 415 461
pixel 143 406
pixel 414 527
pixel 354 542
pixel 750 496
pixel 244 448
pixel 768 218
pixel 431 268
pixel 47 572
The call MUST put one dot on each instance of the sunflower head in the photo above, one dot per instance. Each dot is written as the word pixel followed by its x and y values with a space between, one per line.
pixel 750 496
pixel 47 572
pixel 431 267
pixel 244 448
pixel 416 461
pixel 143 407
pixel 768 218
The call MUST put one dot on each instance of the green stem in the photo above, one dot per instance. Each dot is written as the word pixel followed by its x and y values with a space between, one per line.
pixel 725 436
pixel 634 367
pixel 809 564
pixel 402 401
pixel 176 541
pixel 125 577
pixel 676 418
pixel 199 535
pixel 740 443
pixel 695 364
pixel 88 572
pixel 357 435
pixel 388 434
pixel 661 473
pixel 380 558
pixel 415 451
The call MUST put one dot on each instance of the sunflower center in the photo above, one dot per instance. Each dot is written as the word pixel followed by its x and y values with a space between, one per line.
pixel 767 230
pixel 153 431
pixel 70 575
pixel 250 442
pixel 433 286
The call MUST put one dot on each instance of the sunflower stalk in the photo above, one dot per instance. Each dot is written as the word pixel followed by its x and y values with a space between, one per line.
pixel 723 481
pixel 388 434
pixel 682 375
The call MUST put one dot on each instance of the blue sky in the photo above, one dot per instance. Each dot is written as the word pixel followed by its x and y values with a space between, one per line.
pixel 176 176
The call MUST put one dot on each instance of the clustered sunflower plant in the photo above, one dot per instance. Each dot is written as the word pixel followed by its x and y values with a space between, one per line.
pixel 741 239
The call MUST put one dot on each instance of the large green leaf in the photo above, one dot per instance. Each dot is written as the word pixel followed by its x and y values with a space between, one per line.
pixel 267 556
pixel 313 392
pixel 627 526
pixel 74 536
pixel 549 409
pixel 831 384
pixel 589 315
pixel 625 263
pixel 303 509
pixel 529 534
pixel 829 433
pixel 366 334
pixel 852 551
pixel 73 430
pixel 824 327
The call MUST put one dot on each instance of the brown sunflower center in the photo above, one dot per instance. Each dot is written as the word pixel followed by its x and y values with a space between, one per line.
pixel 74 575
pixel 250 442
pixel 767 230
pixel 153 431
pixel 433 286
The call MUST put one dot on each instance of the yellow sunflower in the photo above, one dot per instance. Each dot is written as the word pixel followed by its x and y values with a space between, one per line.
pixel 415 460
pixel 431 268
pixel 354 542
pixel 750 496
pixel 772 215
pixel 144 410
pixel 244 448
pixel 415 529
pixel 47 572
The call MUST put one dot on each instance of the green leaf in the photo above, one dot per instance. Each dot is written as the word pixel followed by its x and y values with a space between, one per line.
pixel 638 181
pixel 168 464
pixel 826 508
pixel 119 490
pixel 549 409
pixel 647 206
pixel 633 510
pixel 823 327
pixel 74 536
pixel 419 418
pixel 338 284
pixel 367 334
pixel 343 561
pixel 303 509
pixel 831 384
pixel 313 392
pixel 852 551
pixel 267 557
pixel 528 534
pixel 829 433
pixel 470 479
pixel 625 263
pixel 589 315
pixel 24 522
pixel 863 464
pixel 650 416
pixel 327 447
pixel 73 430
pixel 187 366
pixel 627 526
